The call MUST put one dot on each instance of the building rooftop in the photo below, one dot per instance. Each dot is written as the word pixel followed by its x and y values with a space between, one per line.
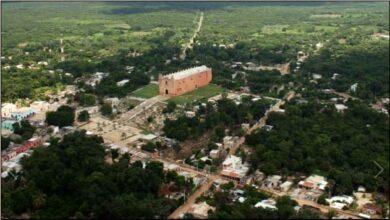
pixel 187 72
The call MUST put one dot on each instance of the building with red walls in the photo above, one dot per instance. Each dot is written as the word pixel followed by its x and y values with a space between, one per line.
pixel 181 82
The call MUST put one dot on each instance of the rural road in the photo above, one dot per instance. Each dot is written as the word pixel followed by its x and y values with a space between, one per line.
pixel 189 44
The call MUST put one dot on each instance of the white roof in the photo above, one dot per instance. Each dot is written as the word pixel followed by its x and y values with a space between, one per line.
pixel 337 205
pixel 340 106
pixel 286 184
pixel 241 199
pixel 188 72
pixel 149 137
pixel 341 199
pixel 266 204
pixel 232 160
pixel 214 151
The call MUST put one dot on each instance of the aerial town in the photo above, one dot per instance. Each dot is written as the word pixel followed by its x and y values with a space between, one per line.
pixel 192 134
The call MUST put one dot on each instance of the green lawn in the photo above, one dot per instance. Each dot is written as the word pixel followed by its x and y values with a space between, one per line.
pixel 146 92
pixel 204 92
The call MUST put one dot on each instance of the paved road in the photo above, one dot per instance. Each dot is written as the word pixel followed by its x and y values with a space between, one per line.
pixel 189 44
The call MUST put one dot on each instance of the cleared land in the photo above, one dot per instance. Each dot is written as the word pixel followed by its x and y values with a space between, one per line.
pixel 201 93
pixel 146 92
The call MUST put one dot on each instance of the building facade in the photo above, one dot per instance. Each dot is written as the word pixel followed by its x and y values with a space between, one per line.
pixel 181 82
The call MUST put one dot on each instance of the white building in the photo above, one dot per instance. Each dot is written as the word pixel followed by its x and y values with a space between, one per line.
pixel 122 82
pixel 234 168
pixel 190 114
pixel 314 182
pixel 353 87
pixel 214 154
pixel 286 186
pixel 267 204
pixel 7 109
pixel 340 107
pixel 317 76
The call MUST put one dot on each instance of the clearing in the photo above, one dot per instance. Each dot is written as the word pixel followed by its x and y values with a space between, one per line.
pixel 146 92
pixel 198 94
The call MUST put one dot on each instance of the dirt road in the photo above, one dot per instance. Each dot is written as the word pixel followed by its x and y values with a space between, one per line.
pixel 189 44
pixel 191 200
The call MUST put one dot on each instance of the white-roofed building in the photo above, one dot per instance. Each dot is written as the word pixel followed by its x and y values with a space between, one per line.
pixel 267 204
pixel 122 82
pixel 233 168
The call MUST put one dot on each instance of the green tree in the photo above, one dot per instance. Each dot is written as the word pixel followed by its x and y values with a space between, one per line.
pixel 106 109
pixel 83 116
pixel 64 116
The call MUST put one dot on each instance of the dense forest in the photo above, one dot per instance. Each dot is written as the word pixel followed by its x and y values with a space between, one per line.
pixel 226 114
pixel 70 179
pixel 366 65
pixel 313 138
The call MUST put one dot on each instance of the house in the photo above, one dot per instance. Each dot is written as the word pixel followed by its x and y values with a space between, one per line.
pixel 339 202
pixel 315 182
pixel 353 87
pixel 337 205
pixel 245 126
pixel 200 210
pixel 334 77
pixel 22 113
pixel 267 204
pixel 316 76
pixel 44 63
pixel 181 82
pixel 122 82
pixel 190 114
pixel 361 189
pixel 340 107
pixel 284 187
pixel 272 181
pixel 233 168
pixel 7 109
pixel 214 154
pixel 268 127
pixel 372 209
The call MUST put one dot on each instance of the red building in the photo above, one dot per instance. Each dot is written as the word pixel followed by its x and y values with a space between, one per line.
pixel 181 82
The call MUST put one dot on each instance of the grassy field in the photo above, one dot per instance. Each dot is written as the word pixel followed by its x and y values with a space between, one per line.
pixel 146 92
pixel 201 93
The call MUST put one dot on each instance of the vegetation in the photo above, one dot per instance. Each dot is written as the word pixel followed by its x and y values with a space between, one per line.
pixel 64 116
pixel 71 179
pixel 226 114
pixel 24 129
pixel 85 99
pixel 314 138
pixel 171 106
pixel 146 92
pixel 198 94
pixel 227 209
pixel 83 116
pixel 106 109
pixel 5 141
